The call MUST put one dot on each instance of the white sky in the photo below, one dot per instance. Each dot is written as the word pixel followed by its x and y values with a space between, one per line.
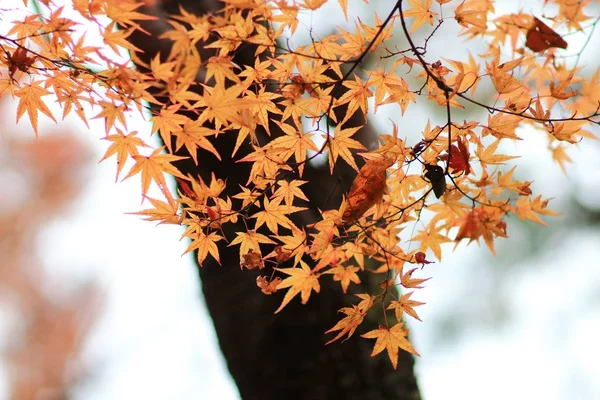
pixel 155 341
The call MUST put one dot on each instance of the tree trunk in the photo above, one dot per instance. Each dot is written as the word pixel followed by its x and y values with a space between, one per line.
pixel 281 356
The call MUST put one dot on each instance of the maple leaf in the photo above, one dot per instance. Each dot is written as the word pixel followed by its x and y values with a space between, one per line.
pixel 436 176
pixel 526 208
pixel 117 38
pixel 19 60
pixel 193 135
pixel 431 239
pixel 300 280
pixel 290 190
pixel 250 241
pixel 558 91
pixel 224 106
pixel 153 167
pixel 471 18
pixel 488 155
pixel 123 13
pixel 275 214
pixel 391 340
pixel 30 100
pixel 561 157
pixel 405 305
pixel 340 144
pixel 295 244
pixel 168 121
pixel 123 146
pixel 459 160
pixel 295 143
pixel 506 181
pixel 502 77
pixel 541 37
pixel 483 222
pixel 347 325
pixel 502 126
pixel 345 275
pixel 165 213
pixel 412 283
pixel 367 188
pixel 205 244
pixel 356 96
pixel 420 12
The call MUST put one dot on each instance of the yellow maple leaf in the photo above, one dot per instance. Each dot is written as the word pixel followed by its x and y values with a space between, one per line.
pixel 405 305
pixel 290 190
pixel 316 4
pixel 356 97
pixel 502 125
pixel 487 155
pixel 205 244
pixel 340 144
pixel 391 340
pixel 347 325
pixel 431 238
pixel 193 135
pixel 296 244
pixel 345 275
pixel 412 283
pixel 168 121
pixel 153 167
pixel 300 280
pixel 275 214
pixel 165 213
pixel 420 12
pixel 123 146
pixel 249 241
pixel 30 100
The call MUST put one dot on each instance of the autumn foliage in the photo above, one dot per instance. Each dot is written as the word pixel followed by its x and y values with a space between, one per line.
pixel 449 181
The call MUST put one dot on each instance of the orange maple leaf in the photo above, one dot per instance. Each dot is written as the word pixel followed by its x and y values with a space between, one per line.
pixel 482 221
pixel 153 167
pixel 123 146
pixel 301 280
pixel 165 213
pixel 368 188
pixel 420 12
pixel 205 244
pixel 345 275
pixel 168 121
pixel 391 340
pixel 347 325
pixel 405 305
pixel 30 100
pixel 412 283
pixel 340 144
pixel 250 241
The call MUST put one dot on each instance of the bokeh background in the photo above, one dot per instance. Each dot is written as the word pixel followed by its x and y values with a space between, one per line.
pixel 98 304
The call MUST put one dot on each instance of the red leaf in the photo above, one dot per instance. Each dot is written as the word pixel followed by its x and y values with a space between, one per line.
pixel 459 160
pixel 541 37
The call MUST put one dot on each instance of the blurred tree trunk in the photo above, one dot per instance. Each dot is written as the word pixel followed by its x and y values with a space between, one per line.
pixel 281 356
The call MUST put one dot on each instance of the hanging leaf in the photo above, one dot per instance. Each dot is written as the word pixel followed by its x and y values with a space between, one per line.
pixel 541 37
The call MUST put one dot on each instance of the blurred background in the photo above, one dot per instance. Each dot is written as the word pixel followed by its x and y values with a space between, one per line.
pixel 98 304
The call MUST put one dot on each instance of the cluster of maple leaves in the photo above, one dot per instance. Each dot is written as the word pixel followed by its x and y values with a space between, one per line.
pixel 447 187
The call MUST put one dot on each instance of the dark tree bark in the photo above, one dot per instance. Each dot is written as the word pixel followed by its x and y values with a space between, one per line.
pixel 282 356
